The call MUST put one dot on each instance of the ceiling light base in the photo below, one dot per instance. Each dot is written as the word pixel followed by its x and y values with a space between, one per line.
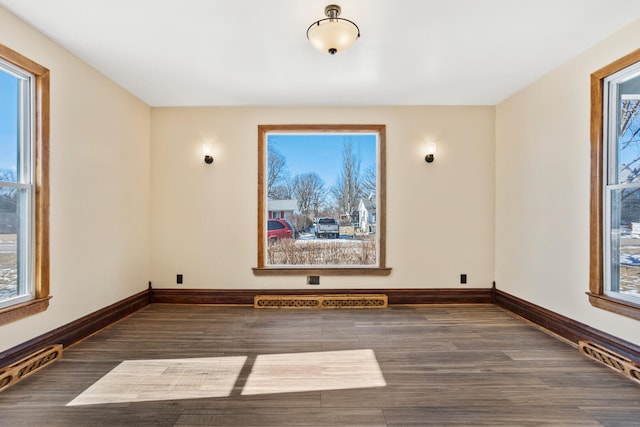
pixel 332 11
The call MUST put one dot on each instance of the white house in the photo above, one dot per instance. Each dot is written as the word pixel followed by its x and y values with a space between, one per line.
pixel 282 208
pixel 367 215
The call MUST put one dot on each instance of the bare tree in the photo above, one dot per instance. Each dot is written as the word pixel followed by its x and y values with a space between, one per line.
pixel 629 141
pixel 629 132
pixel 276 170
pixel 369 181
pixel 628 199
pixel 309 190
pixel 282 191
pixel 8 175
pixel 8 202
pixel 8 194
pixel 348 188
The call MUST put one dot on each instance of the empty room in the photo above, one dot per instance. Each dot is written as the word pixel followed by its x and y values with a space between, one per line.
pixel 287 213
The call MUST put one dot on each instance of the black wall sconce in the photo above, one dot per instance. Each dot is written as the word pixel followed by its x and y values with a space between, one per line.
pixel 431 151
pixel 206 150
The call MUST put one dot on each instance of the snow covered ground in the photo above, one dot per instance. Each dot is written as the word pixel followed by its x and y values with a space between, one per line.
pixel 630 265
pixel 8 270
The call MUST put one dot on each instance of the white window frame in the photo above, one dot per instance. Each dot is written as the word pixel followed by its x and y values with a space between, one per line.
pixel 611 100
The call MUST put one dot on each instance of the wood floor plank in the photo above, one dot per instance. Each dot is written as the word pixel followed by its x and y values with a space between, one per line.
pixel 442 365
pixel 294 417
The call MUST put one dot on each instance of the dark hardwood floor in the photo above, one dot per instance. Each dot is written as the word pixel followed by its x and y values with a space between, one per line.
pixel 443 365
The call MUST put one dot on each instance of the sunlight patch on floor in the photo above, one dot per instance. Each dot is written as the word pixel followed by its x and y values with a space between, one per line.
pixel 326 370
pixel 178 379
pixel 165 379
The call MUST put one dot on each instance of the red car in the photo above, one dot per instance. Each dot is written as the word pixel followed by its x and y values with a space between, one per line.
pixel 280 229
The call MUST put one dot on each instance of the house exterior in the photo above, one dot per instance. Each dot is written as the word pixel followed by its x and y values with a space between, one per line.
pixel 282 209
pixel 367 215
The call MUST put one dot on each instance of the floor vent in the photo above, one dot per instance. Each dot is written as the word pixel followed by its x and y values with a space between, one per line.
pixel 321 301
pixel 618 363
pixel 12 374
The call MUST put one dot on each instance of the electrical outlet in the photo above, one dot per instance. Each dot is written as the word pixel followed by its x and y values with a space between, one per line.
pixel 179 279
pixel 313 280
pixel 463 278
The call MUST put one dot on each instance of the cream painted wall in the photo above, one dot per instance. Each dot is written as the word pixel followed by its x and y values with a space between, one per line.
pixel 99 187
pixel 440 216
pixel 542 189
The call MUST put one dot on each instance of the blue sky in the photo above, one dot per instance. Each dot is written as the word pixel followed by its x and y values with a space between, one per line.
pixel 322 153
pixel 8 120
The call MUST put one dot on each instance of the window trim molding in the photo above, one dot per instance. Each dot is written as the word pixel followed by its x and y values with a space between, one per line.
pixel 41 206
pixel 380 270
pixel 597 296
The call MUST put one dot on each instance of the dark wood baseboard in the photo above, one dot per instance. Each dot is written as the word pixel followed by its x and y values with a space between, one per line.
pixel 78 329
pixel 564 327
pixel 396 296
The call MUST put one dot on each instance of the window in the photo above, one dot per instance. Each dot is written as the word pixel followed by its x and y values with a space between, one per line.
pixel 24 194
pixel 615 187
pixel 275 225
pixel 328 181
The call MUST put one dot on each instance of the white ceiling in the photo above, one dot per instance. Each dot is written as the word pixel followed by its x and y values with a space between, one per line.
pixel 255 52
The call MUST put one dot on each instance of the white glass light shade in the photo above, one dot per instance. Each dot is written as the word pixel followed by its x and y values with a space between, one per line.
pixel 207 152
pixel 333 35
pixel 431 148
pixel 431 151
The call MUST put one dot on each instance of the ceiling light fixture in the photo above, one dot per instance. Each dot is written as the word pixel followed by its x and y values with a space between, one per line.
pixel 333 34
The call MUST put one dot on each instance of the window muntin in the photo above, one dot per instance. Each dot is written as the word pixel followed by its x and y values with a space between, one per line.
pixel 17 88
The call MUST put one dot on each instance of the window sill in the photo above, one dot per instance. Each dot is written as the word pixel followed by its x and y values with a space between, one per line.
pixel 26 309
pixel 324 271
pixel 614 305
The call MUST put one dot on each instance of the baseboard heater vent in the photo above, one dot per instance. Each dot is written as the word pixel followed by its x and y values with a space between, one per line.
pixel 618 363
pixel 321 301
pixel 16 372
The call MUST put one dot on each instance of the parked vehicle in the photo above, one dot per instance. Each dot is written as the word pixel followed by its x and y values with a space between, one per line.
pixel 328 228
pixel 280 229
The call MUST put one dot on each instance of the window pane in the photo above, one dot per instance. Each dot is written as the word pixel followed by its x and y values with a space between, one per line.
pixel 10 285
pixel 625 242
pixel 628 131
pixel 9 126
pixel 326 185
pixel 275 225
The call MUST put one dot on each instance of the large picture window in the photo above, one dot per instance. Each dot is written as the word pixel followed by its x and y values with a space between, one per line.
pixel 321 199
pixel 615 226
pixel 24 277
